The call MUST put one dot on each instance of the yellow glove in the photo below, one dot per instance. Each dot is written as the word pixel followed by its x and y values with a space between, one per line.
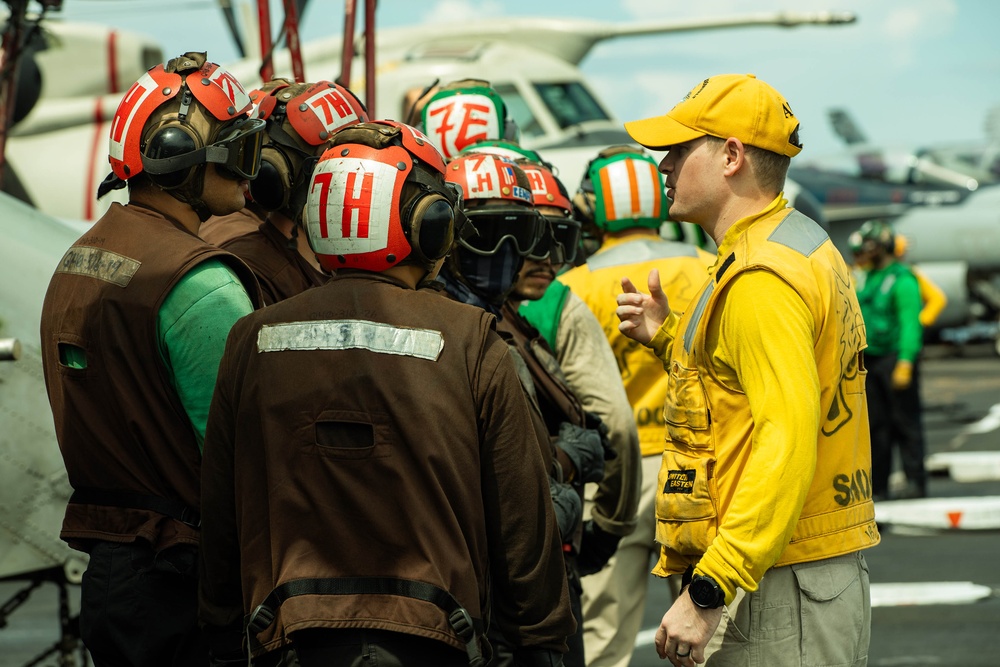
pixel 902 375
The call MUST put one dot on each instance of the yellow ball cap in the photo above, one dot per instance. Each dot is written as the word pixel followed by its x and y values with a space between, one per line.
pixel 727 105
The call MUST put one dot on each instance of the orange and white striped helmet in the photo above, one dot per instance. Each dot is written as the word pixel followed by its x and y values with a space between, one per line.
pixel 622 187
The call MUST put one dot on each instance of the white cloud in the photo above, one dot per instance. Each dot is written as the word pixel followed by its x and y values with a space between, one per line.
pixel 907 27
pixel 920 19
pixel 454 11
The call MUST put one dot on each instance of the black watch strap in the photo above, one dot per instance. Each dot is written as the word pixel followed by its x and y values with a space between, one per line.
pixel 706 592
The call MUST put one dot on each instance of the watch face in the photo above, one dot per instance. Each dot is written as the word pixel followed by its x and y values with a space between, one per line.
pixel 706 593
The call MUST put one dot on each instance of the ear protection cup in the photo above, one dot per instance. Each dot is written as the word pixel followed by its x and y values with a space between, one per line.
pixel 299 192
pixel 172 140
pixel 429 222
pixel 271 188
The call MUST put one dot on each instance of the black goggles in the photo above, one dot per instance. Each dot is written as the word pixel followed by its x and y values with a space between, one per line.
pixel 236 151
pixel 493 226
pixel 559 243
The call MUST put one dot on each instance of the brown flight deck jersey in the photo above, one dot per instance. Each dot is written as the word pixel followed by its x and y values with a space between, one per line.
pixel 125 437
pixel 275 260
pixel 366 429
pixel 546 389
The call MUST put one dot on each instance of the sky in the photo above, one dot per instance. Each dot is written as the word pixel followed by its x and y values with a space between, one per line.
pixel 911 72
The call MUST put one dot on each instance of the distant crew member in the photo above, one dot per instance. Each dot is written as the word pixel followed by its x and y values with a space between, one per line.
pixel 133 327
pixel 889 294
pixel 372 486
pixel 302 119
pixel 621 195
pixel 763 496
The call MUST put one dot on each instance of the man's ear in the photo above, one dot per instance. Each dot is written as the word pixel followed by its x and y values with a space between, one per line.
pixel 734 153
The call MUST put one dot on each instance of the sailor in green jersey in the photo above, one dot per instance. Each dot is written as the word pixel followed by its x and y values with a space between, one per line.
pixel 889 295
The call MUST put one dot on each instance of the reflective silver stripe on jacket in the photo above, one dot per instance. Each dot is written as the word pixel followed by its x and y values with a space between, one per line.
pixel 800 233
pixel 351 335
pixel 634 252
pixel 98 263
pixel 696 315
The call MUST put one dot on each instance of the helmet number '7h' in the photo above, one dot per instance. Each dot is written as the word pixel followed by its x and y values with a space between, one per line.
pixel 362 217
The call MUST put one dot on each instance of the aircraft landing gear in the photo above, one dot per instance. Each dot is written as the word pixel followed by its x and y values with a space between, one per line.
pixel 69 648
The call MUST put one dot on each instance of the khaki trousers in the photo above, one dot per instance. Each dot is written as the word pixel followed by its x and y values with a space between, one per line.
pixel 806 615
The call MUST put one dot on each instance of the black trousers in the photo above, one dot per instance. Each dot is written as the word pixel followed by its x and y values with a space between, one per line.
pixel 895 419
pixel 139 608
pixel 362 648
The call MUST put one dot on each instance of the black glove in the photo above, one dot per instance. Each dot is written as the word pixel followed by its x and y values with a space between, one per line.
pixel 592 421
pixel 585 450
pixel 537 657
pixel 568 507
pixel 596 549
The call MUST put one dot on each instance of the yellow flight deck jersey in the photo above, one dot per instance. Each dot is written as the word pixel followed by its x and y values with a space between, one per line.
pixel 683 270
pixel 767 459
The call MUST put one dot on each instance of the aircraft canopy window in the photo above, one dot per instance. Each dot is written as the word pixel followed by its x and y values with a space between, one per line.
pixel 570 103
pixel 519 110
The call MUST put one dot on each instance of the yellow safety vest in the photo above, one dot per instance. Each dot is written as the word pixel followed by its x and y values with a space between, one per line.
pixel 709 425
pixel 683 269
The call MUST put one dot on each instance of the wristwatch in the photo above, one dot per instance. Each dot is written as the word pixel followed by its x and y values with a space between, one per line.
pixel 705 592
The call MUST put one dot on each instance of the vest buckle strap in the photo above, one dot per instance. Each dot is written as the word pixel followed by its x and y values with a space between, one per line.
pixel 460 620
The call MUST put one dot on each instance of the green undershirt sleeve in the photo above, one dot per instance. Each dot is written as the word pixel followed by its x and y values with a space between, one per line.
pixel 193 324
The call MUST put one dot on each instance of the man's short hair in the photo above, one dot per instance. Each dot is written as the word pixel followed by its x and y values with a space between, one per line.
pixel 769 168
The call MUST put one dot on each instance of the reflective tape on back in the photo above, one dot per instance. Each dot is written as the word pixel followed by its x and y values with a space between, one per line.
pixel 351 335
pixel 98 263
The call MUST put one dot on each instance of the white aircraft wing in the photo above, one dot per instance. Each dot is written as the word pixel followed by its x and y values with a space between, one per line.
pixel 33 483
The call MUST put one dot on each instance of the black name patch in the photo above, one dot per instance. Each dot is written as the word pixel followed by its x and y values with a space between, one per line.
pixel 679 481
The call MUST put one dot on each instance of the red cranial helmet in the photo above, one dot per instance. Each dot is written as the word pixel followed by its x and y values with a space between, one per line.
pixel 378 197
pixel 301 120
pixel 560 242
pixel 498 201
pixel 187 113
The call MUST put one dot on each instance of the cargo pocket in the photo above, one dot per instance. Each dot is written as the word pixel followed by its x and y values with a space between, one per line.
pixel 835 611
pixel 685 409
pixel 350 435
pixel 685 512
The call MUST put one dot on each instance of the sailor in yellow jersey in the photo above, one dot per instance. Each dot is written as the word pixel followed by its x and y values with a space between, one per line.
pixel 932 297
pixel 765 486
pixel 622 195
